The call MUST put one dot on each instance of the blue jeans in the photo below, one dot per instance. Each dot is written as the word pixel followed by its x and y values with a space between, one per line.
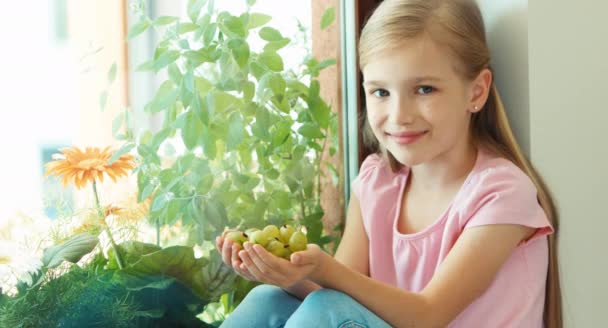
pixel 268 306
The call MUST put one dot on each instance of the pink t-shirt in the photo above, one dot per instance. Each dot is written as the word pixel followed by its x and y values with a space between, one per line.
pixel 496 191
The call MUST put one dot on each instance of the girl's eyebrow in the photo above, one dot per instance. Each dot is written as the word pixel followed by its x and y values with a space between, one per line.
pixel 414 80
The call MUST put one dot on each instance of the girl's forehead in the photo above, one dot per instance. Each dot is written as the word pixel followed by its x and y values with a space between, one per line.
pixel 411 58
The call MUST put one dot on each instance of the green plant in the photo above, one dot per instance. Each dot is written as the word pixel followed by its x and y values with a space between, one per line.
pixel 255 133
pixel 155 287
pixel 93 296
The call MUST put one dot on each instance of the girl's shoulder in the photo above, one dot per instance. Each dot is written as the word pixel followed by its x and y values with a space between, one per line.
pixel 493 173
pixel 375 172
pixel 499 192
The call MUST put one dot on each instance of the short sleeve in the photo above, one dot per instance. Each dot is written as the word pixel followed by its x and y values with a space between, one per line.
pixel 506 195
pixel 368 169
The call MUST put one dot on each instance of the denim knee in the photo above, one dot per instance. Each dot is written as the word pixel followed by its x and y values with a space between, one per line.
pixel 266 295
pixel 325 308
pixel 264 306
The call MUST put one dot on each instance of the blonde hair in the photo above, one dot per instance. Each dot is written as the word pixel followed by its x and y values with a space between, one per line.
pixel 458 25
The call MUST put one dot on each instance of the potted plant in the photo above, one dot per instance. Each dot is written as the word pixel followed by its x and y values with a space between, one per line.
pixel 254 135
pixel 254 132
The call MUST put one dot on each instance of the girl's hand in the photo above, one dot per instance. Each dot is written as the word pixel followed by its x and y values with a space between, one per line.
pixel 229 251
pixel 267 268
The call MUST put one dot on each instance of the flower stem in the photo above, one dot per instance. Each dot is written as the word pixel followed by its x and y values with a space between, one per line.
pixel 107 229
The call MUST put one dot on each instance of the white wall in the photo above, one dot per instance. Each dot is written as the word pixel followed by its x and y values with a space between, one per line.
pixel 569 117
pixel 507 32
pixel 551 64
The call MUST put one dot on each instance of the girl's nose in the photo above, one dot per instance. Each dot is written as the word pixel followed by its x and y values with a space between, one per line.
pixel 401 111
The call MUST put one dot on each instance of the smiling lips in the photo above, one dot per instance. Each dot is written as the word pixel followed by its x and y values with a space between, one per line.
pixel 406 138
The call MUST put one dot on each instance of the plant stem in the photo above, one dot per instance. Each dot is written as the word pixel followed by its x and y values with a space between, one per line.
pixel 302 206
pixel 319 166
pixel 107 229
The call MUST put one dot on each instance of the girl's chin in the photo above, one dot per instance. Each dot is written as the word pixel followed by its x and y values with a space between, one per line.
pixel 408 159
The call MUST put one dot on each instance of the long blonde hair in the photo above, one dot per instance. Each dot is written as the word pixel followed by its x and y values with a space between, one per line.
pixel 458 24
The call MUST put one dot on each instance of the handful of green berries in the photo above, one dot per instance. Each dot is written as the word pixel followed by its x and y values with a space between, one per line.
pixel 279 241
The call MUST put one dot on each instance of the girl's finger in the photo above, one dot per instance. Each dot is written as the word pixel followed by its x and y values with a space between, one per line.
pixel 250 267
pixel 218 243
pixel 244 273
pixel 269 259
pixel 268 269
pixel 227 252
pixel 236 261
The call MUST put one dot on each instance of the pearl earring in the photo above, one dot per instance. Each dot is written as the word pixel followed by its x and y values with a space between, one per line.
pixel 476 108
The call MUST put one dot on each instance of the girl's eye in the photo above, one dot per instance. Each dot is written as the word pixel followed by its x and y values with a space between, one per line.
pixel 380 93
pixel 425 90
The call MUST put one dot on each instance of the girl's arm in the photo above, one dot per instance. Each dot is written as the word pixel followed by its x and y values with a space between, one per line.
pixel 467 271
pixel 353 251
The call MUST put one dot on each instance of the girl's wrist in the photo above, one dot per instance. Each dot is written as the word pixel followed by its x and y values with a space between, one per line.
pixel 321 275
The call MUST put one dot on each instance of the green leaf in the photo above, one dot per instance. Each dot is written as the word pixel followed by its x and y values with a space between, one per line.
pixel 281 199
pixel 248 91
pixel 270 34
pixel 160 201
pixel 209 33
pixel 257 20
pixel 281 134
pixel 277 85
pixel 160 137
pixel 165 59
pixel 235 131
pixel 314 226
pixel 235 26
pixel 187 27
pixel 257 70
pixel 191 131
pixel 175 75
pixel 184 44
pixel 131 252
pixel 164 20
pixel 220 102
pixel 274 46
pixel 72 250
pixel 194 8
pixel 189 81
pixel 209 144
pixel 310 131
pixel 177 262
pixel 261 126
pixel 146 192
pixel 240 51
pixel 317 107
pixel 200 110
pixel 103 100
pixel 335 177
pixel 199 56
pixel 204 186
pixel 164 283
pixel 121 151
pixel 138 28
pixel 328 17
pixel 298 88
pixel 164 98
pixel 112 73
pixel 271 60
pixel 250 2
pixel 117 122
pixel 146 66
pixel 326 63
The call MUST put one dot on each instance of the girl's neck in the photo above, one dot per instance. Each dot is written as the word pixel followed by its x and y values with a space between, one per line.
pixel 447 170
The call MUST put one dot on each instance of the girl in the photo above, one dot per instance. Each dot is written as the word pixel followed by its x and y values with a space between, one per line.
pixel 448 224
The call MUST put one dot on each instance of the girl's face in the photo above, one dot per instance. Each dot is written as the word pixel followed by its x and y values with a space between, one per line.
pixel 417 105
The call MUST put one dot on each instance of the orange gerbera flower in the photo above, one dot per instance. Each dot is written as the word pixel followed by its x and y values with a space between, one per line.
pixel 83 167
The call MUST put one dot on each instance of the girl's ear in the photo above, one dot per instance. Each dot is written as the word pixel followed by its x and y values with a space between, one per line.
pixel 480 89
